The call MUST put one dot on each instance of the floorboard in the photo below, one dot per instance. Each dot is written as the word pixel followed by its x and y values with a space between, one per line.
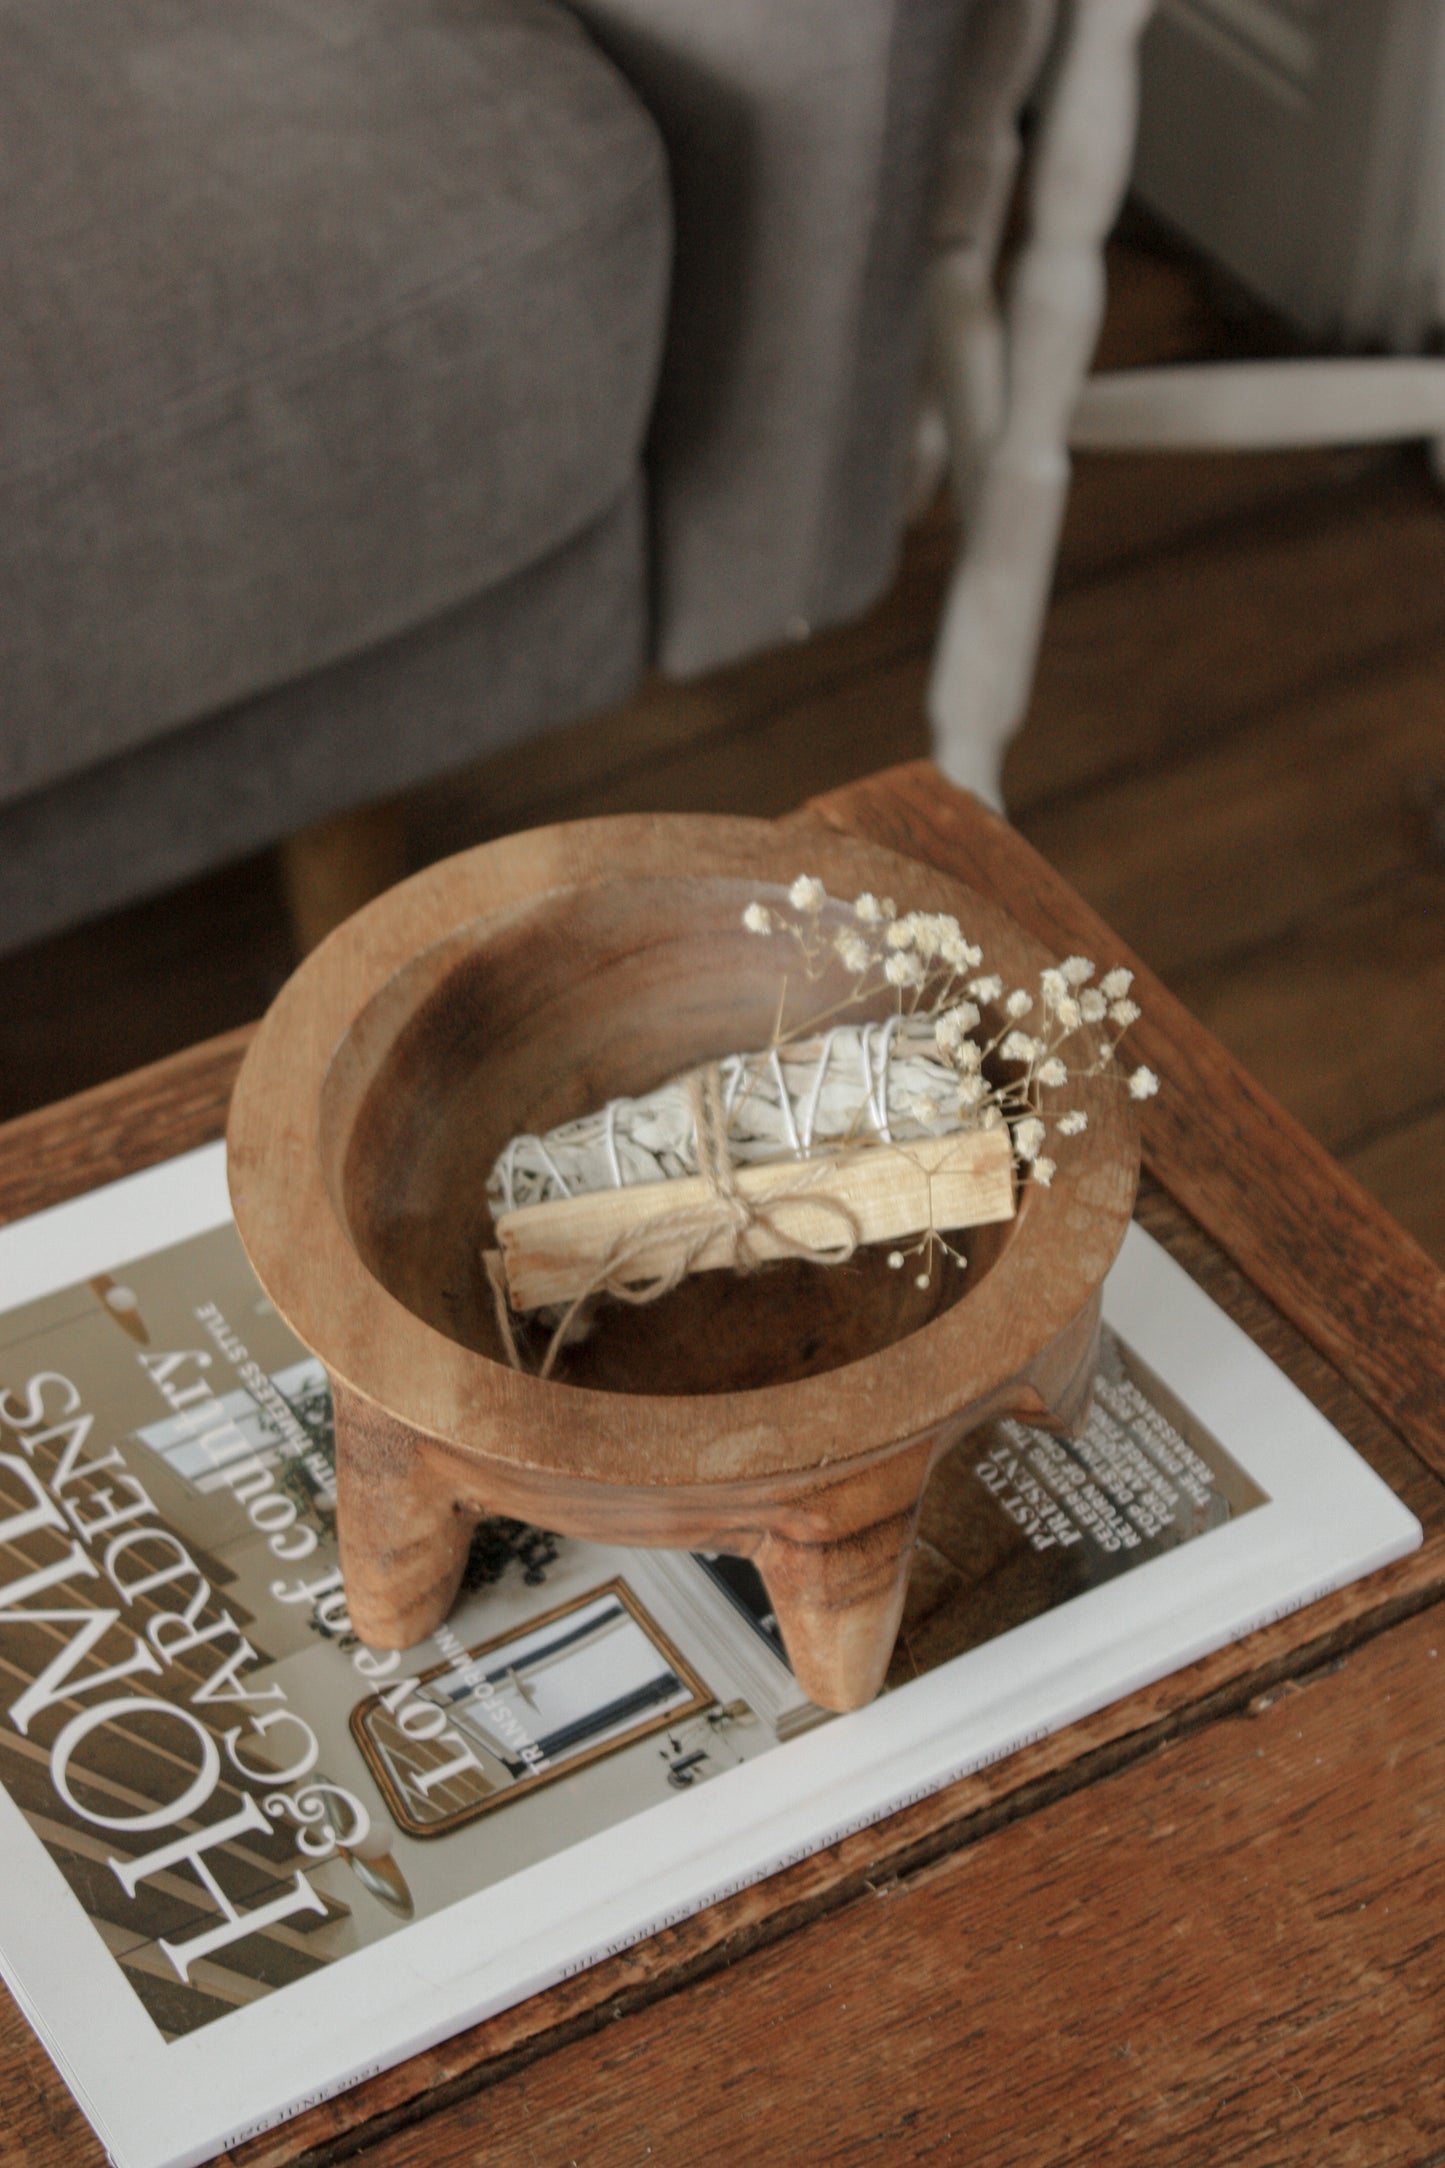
pixel 129 989
pixel 1408 1163
pixel 1238 723
pixel 1122 509
pixel 1190 645
pixel 1230 846
pixel 1344 1017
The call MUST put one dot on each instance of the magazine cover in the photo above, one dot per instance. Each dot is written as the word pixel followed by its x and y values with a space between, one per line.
pixel 248 1859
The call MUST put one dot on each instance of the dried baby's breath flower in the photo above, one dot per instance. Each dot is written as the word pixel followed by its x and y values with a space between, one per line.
pixel 1029 1137
pixel 961 955
pixel 902 969
pixel 927 929
pixel 938 933
pixel 853 950
pixel 953 1027
pixel 922 1280
pixel 928 953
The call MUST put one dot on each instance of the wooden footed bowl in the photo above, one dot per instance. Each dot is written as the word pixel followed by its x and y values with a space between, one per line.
pixel 792 1415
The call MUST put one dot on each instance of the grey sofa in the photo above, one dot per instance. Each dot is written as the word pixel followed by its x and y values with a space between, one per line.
pixel 384 381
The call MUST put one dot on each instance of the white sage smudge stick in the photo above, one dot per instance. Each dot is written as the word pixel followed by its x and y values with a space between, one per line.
pixel 856 1083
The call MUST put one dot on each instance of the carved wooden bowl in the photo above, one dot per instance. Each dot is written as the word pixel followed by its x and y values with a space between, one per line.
pixel 792 1415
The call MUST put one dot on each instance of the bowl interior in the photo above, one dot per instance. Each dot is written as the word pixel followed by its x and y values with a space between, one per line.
pixel 543 1012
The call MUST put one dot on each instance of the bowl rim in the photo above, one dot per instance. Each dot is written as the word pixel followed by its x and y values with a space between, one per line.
pixel 1065 1237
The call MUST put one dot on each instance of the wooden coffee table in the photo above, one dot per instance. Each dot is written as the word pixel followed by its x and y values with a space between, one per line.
pixel 1205 1925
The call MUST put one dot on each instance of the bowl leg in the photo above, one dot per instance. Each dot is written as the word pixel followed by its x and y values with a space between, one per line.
pixel 403 1533
pixel 1059 1383
pixel 837 1576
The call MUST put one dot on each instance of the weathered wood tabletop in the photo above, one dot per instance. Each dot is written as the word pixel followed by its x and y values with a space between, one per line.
pixel 1206 1924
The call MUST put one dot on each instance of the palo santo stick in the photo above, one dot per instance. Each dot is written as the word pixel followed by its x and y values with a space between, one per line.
pixel 554 1252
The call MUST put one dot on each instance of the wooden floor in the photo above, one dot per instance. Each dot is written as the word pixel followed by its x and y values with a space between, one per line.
pixel 1236 750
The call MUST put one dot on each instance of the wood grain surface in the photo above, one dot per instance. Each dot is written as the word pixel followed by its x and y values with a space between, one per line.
pixel 1410 1160
pixel 1196 863
pixel 1268 1193
pixel 1235 1953
pixel 1382 957
pixel 1177 646
pixel 118 1128
pixel 1133 1941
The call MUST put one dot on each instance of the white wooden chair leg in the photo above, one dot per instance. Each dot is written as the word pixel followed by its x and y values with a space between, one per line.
pixel 963 374
pixel 1004 45
pixel 993 616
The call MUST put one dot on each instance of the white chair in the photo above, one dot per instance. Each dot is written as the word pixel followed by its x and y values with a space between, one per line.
pixel 1012 378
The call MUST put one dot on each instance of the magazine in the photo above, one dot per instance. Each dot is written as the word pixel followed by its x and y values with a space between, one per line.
pixel 248 1860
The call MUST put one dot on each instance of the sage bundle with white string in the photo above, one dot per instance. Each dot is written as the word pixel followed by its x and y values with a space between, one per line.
pixel 855 1083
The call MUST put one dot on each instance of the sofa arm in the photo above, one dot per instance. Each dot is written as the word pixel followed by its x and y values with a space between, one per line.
pixel 803 137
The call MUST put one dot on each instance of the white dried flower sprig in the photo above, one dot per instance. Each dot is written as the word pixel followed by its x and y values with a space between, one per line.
pixel 933 968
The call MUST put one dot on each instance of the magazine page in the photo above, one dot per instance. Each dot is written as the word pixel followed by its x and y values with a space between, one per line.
pixel 249 1859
